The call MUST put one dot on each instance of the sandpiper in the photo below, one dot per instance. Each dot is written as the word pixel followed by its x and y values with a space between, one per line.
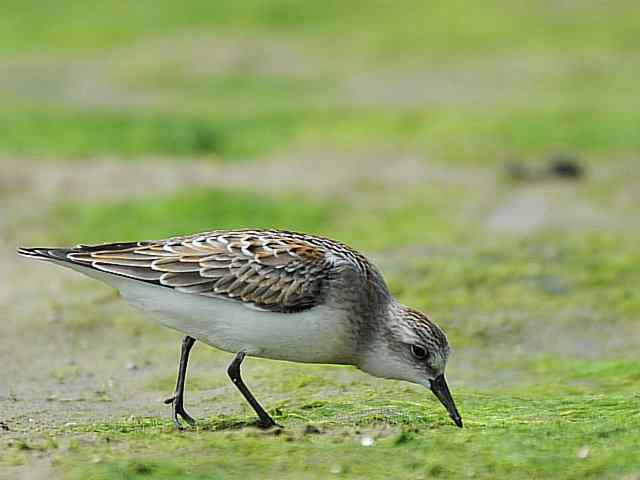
pixel 272 294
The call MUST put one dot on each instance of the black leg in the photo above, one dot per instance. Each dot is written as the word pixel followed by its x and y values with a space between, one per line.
pixel 234 373
pixel 178 398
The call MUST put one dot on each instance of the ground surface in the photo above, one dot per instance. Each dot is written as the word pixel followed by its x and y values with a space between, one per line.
pixel 357 123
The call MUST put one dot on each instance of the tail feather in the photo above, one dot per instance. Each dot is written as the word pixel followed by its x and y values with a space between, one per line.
pixel 86 259
pixel 57 253
pixel 45 253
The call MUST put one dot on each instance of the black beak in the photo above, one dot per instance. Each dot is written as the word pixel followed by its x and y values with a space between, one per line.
pixel 440 389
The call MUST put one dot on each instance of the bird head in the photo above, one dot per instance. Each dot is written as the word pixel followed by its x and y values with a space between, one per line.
pixel 408 346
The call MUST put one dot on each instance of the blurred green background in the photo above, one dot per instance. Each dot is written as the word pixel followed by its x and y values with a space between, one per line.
pixel 422 133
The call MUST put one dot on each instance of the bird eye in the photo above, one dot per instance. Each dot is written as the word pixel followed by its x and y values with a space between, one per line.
pixel 418 352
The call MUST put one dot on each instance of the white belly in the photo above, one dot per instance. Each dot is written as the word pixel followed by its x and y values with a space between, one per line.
pixel 318 335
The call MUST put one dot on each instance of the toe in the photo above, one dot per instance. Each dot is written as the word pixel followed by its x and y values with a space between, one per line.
pixel 187 418
pixel 177 423
pixel 268 423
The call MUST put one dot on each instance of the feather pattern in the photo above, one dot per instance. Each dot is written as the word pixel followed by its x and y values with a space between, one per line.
pixel 273 270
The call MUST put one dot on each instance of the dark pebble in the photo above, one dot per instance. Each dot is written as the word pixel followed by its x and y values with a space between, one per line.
pixel 565 166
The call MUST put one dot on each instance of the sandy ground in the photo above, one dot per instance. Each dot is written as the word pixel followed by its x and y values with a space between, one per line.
pixel 310 172
pixel 61 369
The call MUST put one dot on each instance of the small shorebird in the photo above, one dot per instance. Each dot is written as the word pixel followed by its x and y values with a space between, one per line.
pixel 272 294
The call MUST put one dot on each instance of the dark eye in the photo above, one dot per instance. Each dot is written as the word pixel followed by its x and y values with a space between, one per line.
pixel 418 352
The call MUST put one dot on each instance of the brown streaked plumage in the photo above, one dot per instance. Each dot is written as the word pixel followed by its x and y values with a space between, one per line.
pixel 270 293
pixel 275 270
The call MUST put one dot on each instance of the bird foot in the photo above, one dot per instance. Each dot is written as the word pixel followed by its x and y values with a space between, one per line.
pixel 267 423
pixel 179 411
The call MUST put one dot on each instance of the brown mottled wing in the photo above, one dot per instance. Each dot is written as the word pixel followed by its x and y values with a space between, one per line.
pixel 271 272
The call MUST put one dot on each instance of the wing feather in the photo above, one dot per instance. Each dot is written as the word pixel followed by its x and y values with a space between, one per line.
pixel 139 273
pixel 268 270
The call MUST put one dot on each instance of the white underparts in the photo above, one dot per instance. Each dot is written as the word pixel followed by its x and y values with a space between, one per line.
pixel 318 335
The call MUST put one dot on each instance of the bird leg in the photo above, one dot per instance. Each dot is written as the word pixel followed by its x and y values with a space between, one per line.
pixel 177 400
pixel 234 373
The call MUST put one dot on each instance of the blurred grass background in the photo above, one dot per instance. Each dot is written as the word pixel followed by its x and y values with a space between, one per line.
pixel 387 126
pixel 231 80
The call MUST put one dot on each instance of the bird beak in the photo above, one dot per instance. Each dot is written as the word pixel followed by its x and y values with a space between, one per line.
pixel 440 389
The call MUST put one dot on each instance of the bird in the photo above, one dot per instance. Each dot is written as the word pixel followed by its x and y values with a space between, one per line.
pixel 269 293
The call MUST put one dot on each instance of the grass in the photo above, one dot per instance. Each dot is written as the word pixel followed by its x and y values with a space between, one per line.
pixel 531 309
pixel 582 424
pixel 543 323
pixel 412 28
pixel 455 135
pixel 418 448
pixel 214 80
pixel 585 436
pixel 170 215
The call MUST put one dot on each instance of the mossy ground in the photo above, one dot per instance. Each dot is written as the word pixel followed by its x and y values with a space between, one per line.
pixel 399 139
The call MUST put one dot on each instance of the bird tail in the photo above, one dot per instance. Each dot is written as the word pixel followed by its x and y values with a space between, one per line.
pixel 45 253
